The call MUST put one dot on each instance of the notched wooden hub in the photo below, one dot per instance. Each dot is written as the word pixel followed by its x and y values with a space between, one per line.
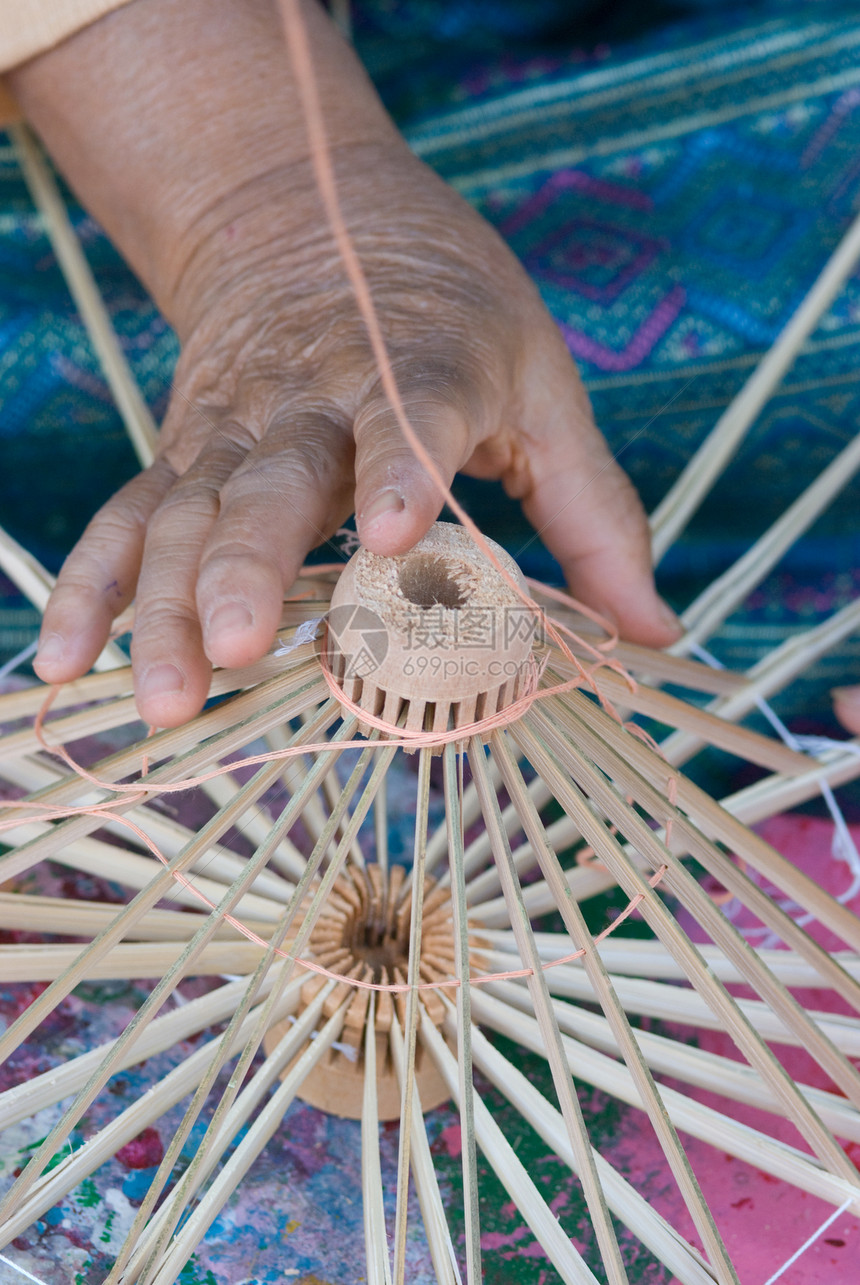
pixel 435 639
pixel 363 932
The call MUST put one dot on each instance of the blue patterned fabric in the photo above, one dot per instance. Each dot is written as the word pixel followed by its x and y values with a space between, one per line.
pixel 673 195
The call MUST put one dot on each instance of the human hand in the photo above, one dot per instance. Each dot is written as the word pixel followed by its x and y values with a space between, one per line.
pixel 278 419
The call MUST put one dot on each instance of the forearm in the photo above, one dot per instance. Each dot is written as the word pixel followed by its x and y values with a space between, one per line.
pixel 162 113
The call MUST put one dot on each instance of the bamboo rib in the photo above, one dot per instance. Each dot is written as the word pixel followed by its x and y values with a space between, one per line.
pixel 146 1110
pixel 28 574
pixel 675 510
pixel 633 956
pixel 611 1002
pixel 696 1066
pixel 669 710
pixel 466 1088
pixel 735 1023
pixel 718 1130
pixel 769 676
pixel 79 278
pixel 259 1133
pixel 725 593
pixel 678 880
pixel 700 821
pixel 429 1197
pixel 412 1015
pixel 513 1175
pixel 375 1235
pixel 46 1001
pixel 299 900
pixel 62 1081
pixel 625 1201
pixel 577 1132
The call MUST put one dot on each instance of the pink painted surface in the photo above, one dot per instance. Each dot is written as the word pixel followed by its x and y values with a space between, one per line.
pixel 762 1219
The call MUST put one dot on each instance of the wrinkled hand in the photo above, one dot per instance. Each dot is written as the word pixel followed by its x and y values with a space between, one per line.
pixel 278 426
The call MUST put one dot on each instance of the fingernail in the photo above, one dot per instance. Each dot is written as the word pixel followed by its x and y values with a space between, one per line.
pixel 387 501
pixel 670 618
pixel 161 680
pixel 51 649
pixel 231 618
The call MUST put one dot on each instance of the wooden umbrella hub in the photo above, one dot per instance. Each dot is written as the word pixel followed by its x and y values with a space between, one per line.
pixel 433 639
pixel 363 933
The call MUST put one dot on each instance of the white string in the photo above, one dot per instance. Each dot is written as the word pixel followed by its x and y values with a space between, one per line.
pixel 306 632
pixel 25 654
pixel 22 1271
pixel 843 847
pixel 807 1244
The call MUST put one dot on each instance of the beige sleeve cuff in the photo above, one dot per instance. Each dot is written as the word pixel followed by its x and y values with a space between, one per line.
pixel 30 27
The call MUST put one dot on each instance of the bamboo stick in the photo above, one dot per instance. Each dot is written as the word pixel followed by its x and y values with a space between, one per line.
pixel 561 1252
pixel 375 1235
pixel 768 676
pixel 735 1023
pixel 429 1197
pixel 629 1205
pixel 259 1133
pixel 79 278
pixel 718 1130
pixel 683 499
pixel 680 1061
pixel 725 593
pixel 604 990
pixel 99 1148
pixel 577 1132
pixel 466 1088
pixel 418 872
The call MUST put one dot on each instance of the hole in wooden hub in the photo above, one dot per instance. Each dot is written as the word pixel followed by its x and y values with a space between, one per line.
pixel 363 933
pixel 429 580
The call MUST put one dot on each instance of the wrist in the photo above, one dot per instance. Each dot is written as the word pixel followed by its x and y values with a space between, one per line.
pixel 169 117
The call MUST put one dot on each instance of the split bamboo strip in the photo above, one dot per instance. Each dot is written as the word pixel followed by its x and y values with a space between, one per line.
pixel 663 923
pixel 718 1130
pixel 429 1197
pixel 671 1003
pixel 669 710
pixel 466 1088
pixel 190 1019
pixel 46 1002
pixel 679 881
pixel 259 1133
pixel 636 957
pixel 677 507
pixel 133 409
pixel 299 901
pixel 146 1241
pixel 611 1001
pixel 512 1174
pixel 769 676
pixel 625 1201
pixel 699 821
pixel 36 584
pixel 680 1061
pixel 99 1148
pixel 411 1019
pixel 132 960
pixel 725 593
pixel 375 1235
pixel 577 1132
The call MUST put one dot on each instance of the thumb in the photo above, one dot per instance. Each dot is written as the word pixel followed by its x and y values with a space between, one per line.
pixel 846 706
pixel 396 498
pixel 586 510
